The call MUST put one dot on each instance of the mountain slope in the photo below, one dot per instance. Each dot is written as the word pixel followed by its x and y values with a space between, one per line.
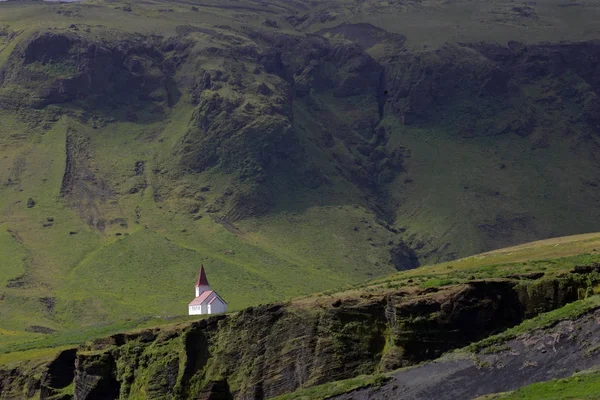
pixel 270 140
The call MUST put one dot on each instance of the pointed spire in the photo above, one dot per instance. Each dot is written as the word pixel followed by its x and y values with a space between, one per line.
pixel 202 281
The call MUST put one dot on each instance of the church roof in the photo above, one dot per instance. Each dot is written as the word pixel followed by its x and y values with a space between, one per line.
pixel 202 281
pixel 217 297
pixel 202 298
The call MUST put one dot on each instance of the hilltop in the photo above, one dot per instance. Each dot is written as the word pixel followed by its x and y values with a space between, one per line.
pixel 271 140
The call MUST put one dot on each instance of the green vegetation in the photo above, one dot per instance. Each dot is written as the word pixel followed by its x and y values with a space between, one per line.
pixel 570 311
pixel 45 353
pixel 436 282
pixel 522 263
pixel 57 70
pixel 334 388
pixel 581 386
pixel 25 347
pixel 346 334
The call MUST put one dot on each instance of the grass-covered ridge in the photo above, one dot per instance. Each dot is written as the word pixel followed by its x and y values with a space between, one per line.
pixel 583 385
pixel 529 262
pixel 334 388
pixel 570 311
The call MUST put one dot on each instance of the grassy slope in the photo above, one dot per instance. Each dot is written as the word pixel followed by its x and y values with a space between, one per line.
pixel 156 257
pixel 579 387
pixel 333 389
pixel 456 185
pixel 551 256
pixel 99 277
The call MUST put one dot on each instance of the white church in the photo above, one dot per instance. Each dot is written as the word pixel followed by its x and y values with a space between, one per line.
pixel 207 301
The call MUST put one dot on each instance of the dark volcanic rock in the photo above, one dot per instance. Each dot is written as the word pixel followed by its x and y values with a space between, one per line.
pixel 586 269
pixel 64 66
pixel 17 383
pixel 40 329
pixel 59 374
pixel 215 390
pixel 418 84
pixel 403 257
pixel 558 352
pixel 95 377
pixel 49 303
pixel 456 85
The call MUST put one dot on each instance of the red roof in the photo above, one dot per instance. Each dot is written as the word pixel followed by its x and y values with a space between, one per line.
pixel 202 281
pixel 202 298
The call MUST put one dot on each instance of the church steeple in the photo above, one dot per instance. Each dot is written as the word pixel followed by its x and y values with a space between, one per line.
pixel 202 282
pixel 207 301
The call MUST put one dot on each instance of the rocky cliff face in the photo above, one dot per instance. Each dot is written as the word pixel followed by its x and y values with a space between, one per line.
pixel 556 352
pixel 59 67
pixel 266 351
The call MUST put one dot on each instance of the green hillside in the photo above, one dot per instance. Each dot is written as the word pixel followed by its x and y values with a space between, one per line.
pixel 291 147
pixel 582 386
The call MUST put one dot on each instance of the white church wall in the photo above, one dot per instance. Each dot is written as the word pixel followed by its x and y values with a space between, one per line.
pixel 205 306
pixel 195 310
pixel 200 289
pixel 217 307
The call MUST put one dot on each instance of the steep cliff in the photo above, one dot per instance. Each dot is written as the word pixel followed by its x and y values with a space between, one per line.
pixel 566 349
pixel 271 350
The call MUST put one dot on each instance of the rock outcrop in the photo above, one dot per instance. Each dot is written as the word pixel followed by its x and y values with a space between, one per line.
pixel 116 71
pixel 552 353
